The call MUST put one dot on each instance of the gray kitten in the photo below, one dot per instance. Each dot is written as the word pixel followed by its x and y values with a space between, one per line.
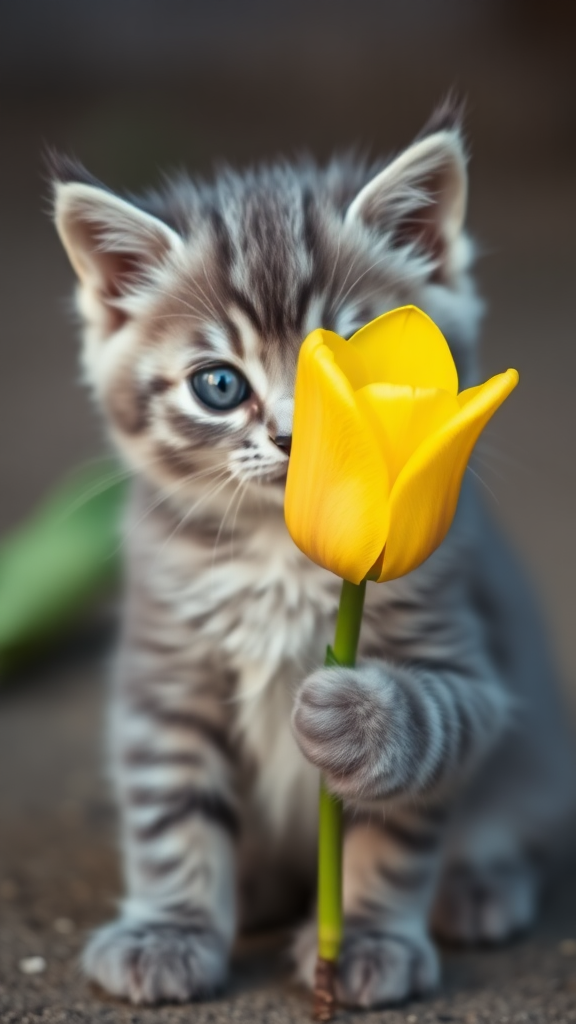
pixel 446 743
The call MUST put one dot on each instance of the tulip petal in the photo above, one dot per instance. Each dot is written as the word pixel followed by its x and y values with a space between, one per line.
pixel 424 498
pixel 336 502
pixel 403 417
pixel 348 358
pixel 406 347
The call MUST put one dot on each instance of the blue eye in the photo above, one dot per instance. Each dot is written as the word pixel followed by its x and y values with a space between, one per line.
pixel 220 387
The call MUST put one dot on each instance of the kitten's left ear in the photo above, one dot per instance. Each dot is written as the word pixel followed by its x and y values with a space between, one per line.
pixel 112 245
pixel 419 200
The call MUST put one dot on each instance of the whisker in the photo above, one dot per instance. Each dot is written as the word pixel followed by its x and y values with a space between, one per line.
pixel 241 488
pixel 223 520
pixel 368 293
pixel 335 264
pixel 212 288
pixel 209 282
pixel 197 319
pixel 352 266
pixel 105 483
pixel 483 482
pixel 243 493
pixel 166 495
pixel 201 501
pixel 212 312
pixel 204 298
pixel 94 491
pixel 178 298
pixel 486 465
pixel 494 451
pixel 359 278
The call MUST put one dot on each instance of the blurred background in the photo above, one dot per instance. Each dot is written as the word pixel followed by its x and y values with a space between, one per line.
pixel 137 87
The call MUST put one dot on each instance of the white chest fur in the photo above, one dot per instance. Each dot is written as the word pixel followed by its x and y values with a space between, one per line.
pixel 270 612
pixel 286 627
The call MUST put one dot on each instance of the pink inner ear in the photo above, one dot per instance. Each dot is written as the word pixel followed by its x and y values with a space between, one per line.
pixel 425 232
pixel 111 244
pixel 423 226
pixel 119 270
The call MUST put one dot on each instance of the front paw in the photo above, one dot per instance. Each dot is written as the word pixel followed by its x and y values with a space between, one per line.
pixel 154 963
pixel 376 967
pixel 348 722
pixel 486 903
pixel 384 969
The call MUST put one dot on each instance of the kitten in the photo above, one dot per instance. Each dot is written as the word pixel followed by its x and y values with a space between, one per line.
pixel 446 741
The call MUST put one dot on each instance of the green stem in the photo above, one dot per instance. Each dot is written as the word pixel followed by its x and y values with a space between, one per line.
pixel 329 875
pixel 330 811
pixel 348 622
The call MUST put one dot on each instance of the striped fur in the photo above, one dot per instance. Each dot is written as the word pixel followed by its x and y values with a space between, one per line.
pixel 439 741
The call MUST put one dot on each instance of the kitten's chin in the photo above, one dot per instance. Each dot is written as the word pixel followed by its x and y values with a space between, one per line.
pixel 269 489
pixel 274 477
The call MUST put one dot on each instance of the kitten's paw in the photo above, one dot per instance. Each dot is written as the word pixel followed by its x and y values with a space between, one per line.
pixel 384 968
pixel 486 903
pixel 349 722
pixel 375 968
pixel 153 963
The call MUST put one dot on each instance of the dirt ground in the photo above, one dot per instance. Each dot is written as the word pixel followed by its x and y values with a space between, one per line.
pixel 59 877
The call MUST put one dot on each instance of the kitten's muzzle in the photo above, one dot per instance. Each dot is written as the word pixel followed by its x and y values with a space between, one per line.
pixel 284 442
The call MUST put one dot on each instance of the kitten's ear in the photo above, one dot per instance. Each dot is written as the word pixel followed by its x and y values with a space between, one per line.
pixel 419 200
pixel 112 245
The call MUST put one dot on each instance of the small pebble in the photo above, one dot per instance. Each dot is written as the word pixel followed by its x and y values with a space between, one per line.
pixel 63 925
pixel 412 1019
pixel 32 965
pixel 567 947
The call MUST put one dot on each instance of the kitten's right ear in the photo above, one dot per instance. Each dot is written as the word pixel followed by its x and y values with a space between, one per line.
pixel 113 246
pixel 419 200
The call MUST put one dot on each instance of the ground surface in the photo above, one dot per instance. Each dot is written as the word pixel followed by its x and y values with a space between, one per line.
pixel 59 877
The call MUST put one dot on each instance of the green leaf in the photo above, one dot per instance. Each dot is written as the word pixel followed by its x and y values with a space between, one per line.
pixel 59 560
pixel 330 659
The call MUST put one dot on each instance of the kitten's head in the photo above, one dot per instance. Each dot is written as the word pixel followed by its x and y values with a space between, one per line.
pixel 195 300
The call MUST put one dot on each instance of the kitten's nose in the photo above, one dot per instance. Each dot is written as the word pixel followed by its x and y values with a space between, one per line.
pixel 283 441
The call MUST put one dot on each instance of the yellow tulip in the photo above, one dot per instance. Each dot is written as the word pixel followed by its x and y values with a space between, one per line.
pixel 380 443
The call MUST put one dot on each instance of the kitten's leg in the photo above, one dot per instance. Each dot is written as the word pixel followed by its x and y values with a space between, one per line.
pixel 179 820
pixel 510 825
pixel 488 893
pixel 390 870
pixel 383 731
pixel 394 733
